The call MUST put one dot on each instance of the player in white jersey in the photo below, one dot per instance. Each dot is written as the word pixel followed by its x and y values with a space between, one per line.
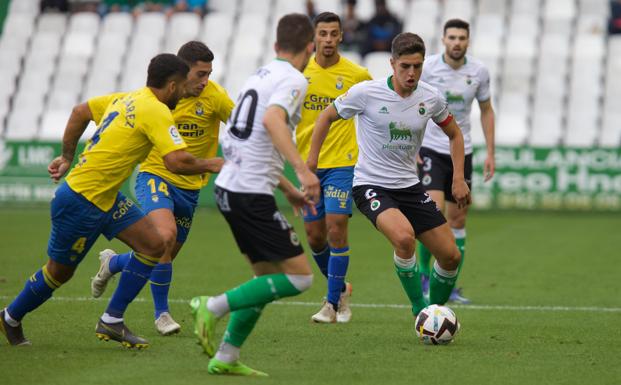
pixel 258 136
pixel 461 79
pixel 392 116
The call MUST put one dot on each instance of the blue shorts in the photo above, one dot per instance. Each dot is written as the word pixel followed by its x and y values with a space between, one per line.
pixel 77 223
pixel 335 195
pixel 154 192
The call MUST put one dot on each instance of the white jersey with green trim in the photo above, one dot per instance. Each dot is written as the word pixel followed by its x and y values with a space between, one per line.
pixel 390 129
pixel 252 163
pixel 459 87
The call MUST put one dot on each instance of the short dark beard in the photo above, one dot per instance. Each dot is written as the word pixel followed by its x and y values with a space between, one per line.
pixel 172 104
pixel 456 58
pixel 324 54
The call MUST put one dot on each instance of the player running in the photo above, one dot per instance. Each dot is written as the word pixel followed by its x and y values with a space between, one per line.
pixel 89 203
pixel 257 139
pixel 392 116
pixel 461 79
pixel 170 199
pixel 329 75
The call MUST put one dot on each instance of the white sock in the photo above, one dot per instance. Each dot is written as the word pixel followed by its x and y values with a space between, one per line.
pixel 107 318
pixel 404 263
pixel 227 353
pixel 218 305
pixel 8 319
pixel 459 233
pixel 444 273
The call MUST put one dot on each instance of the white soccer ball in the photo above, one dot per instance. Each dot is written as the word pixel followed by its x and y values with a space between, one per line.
pixel 436 325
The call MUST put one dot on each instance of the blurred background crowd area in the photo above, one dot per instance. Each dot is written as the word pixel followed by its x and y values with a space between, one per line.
pixel 555 65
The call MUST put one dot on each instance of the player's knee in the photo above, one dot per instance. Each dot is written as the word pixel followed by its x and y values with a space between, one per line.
pixel 404 242
pixel 169 236
pixel 302 282
pixel 450 260
pixel 59 272
pixel 316 241
pixel 337 237
pixel 156 248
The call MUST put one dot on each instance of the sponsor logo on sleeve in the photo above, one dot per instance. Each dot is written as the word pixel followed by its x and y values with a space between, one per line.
pixel 174 135
pixel 295 95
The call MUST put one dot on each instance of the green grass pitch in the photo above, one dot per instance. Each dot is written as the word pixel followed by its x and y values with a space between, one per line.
pixel 546 310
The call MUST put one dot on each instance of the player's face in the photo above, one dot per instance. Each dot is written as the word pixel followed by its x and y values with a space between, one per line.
pixel 198 77
pixel 456 42
pixel 327 38
pixel 407 70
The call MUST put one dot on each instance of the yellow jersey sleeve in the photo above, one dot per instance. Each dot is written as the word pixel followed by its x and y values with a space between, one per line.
pixel 129 129
pixel 98 105
pixel 198 121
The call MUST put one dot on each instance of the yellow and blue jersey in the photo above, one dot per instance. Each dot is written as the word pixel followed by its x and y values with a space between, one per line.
pixel 198 121
pixel 324 85
pixel 130 127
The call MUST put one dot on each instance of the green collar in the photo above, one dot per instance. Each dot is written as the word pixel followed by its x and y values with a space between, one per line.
pixel 281 59
pixel 389 82
pixel 465 60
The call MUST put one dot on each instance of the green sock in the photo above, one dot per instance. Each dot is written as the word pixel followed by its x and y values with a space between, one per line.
pixel 424 259
pixel 461 245
pixel 241 324
pixel 441 285
pixel 410 280
pixel 260 291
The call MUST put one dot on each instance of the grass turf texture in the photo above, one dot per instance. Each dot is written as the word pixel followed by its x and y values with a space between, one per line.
pixel 513 259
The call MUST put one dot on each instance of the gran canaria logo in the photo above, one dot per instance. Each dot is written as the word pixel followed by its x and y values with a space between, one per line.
pixel 317 103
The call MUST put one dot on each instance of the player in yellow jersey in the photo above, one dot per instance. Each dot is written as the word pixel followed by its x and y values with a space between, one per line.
pixel 329 75
pixel 89 203
pixel 170 199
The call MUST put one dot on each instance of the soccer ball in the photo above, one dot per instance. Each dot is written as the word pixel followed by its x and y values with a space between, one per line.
pixel 436 325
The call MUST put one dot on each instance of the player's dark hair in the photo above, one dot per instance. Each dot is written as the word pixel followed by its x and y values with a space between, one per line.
pixel 194 51
pixel 294 32
pixel 457 23
pixel 327 17
pixel 407 43
pixel 163 68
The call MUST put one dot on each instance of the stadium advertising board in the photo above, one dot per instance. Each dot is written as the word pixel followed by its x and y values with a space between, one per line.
pixel 23 171
pixel 550 178
pixel 526 178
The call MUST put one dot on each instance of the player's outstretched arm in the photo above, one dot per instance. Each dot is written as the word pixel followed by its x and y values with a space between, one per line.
pixel 487 122
pixel 183 163
pixel 274 120
pixel 320 131
pixel 461 192
pixel 78 121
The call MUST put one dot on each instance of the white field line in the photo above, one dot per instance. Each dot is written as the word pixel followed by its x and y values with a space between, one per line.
pixel 379 305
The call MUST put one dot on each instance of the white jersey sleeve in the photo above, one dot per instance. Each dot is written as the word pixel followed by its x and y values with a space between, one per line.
pixel 289 96
pixel 351 102
pixel 483 92
pixel 441 111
